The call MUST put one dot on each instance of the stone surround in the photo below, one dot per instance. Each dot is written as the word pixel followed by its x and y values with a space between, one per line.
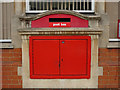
pixel 60 83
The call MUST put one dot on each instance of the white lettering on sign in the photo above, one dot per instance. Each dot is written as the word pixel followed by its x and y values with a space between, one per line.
pixel 59 24
pixel 63 24
pixel 56 24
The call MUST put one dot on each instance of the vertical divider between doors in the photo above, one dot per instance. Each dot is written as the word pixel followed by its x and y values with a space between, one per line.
pixel 59 59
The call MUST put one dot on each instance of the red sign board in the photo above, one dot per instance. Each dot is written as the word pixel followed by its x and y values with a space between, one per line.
pixel 59 20
pixel 59 24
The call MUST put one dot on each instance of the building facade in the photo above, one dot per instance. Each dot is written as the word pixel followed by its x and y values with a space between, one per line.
pixel 91 24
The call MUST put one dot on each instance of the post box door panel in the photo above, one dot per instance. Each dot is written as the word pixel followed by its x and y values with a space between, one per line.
pixel 73 57
pixel 46 57
pixel 60 57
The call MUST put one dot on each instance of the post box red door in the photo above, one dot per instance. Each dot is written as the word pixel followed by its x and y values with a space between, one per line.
pixel 65 57
pixel 46 57
pixel 73 57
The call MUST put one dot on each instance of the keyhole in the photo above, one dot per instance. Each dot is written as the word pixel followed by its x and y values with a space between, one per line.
pixel 63 42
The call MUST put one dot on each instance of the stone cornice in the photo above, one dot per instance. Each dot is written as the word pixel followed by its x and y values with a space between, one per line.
pixel 60 31
pixel 35 17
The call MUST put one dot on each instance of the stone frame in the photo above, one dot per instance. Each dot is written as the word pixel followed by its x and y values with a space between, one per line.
pixel 60 83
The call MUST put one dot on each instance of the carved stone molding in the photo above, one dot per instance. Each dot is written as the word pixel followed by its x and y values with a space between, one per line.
pixel 86 17
pixel 59 31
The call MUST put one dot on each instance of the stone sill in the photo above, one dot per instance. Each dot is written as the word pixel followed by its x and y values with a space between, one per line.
pixel 113 44
pixel 6 44
pixel 114 40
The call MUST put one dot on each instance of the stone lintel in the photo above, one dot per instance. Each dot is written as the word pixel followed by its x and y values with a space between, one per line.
pixel 60 31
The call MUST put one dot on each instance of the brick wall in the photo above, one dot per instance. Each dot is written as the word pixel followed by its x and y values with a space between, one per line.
pixel 109 60
pixel 11 60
